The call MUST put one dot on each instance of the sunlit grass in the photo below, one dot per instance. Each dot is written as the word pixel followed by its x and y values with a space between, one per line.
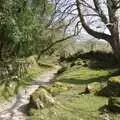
pixel 85 75
pixel 72 105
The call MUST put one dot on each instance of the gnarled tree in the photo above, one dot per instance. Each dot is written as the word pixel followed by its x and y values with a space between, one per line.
pixel 100 18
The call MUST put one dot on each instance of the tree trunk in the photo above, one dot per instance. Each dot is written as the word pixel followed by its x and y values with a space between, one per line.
pixel 1 47
pixel 115 41
pixel 116 49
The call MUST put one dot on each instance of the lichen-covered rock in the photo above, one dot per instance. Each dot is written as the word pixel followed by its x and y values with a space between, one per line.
pixel 57 88
pixel 112 88
pixel 57 84
pixel 35 103
pixel 62 70
pixel 93 88
pixel 114 82
pixel 114 104
pixel 40 99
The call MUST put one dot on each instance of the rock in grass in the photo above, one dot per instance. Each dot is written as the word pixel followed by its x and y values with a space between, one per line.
pixel 57 84
pixel 114 85
pixel 112 88
pixel 114 104
pixel 62 70
pixel 93 88
pixel 114 82
pixel 57 88
pixel 41 98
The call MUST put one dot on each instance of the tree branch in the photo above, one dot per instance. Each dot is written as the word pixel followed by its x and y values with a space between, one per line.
pixel 90 31
pixel 100 11
pixel 111 11
pixel 54 43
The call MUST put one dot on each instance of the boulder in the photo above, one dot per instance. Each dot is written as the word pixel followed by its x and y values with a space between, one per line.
pixel 40 99
pixel 62 70
pixel 112 88
pixel 93 88
pixel 114 104
pixel 58 84
pixel 114 82
pixel 57 88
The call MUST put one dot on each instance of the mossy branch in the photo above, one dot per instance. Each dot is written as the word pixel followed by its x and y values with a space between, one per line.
pixel 53 44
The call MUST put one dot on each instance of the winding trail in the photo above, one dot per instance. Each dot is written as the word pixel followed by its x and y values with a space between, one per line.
pixel 13 109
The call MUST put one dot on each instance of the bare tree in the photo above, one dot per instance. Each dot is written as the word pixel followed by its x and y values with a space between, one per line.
pixel 100 18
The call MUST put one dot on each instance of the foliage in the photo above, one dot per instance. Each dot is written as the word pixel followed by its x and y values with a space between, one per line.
pixel 23 33
pixel 22 26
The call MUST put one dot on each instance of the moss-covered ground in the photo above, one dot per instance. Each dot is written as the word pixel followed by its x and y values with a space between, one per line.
pixel 73 104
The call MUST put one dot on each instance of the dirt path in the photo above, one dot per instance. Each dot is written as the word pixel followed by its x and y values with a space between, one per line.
pixel 12 110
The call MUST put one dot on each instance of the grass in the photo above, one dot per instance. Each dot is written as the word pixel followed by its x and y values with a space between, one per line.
pixel 72 105
pixel 85 75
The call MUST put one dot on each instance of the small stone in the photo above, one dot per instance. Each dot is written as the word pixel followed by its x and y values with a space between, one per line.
pixel 93 88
